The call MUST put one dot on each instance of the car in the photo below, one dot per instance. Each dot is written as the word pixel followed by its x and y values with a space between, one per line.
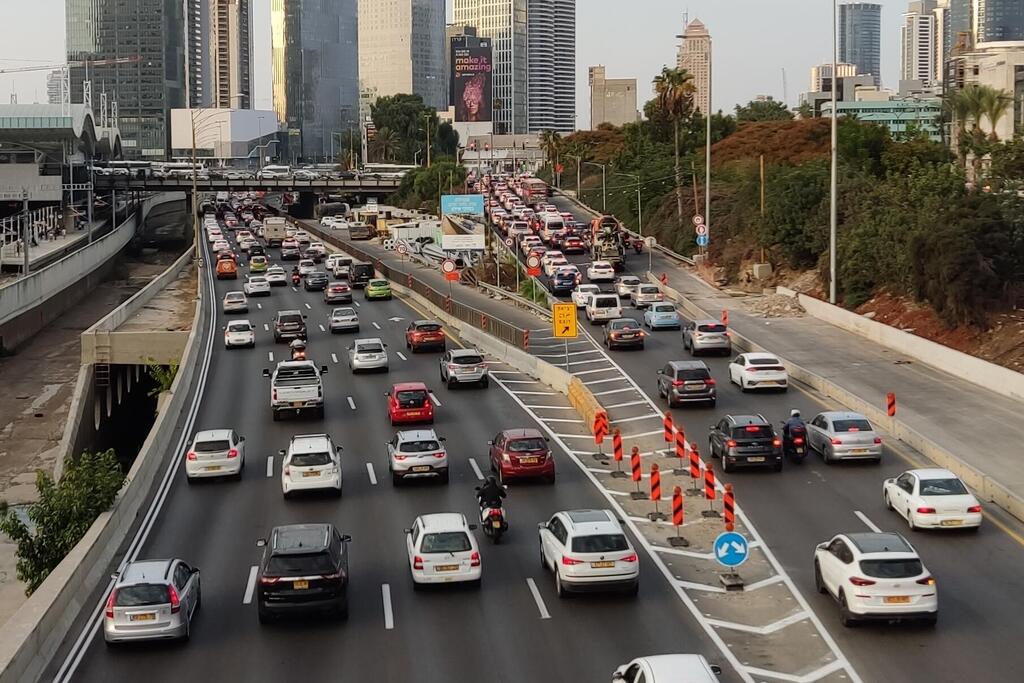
pixel 843 435
pixel 368 354
pixel 257 250
pixel 463 366
pixel 152 600
pixel 317 248
pixel 623 332
pixel 227 255
pixel 572 244
pixel 304 569
pixel 316 281
pixel 301 236
pixel 220 244
pixel 875 575
pixel 290 253
pixel 338 293
pixel 700 336
pixel 247 243
pixel 257 286
pixel 662 316
pixel 687 381
pixel 562 283
pixel 571 268
pixel 667 669
pixel 441 549
pixel 344 320
pixel 551 255
pixel 581 295
pixel 313 255
pixel 417 454
pixel 603 307
pixel 290 243
pixel 311 463
pixel 257 264
pixel 235 302
pixel 625 285
pixel 587 550
pixel 227 269
pixel 306 266
pixel 341 267
pixel 277 277
pixel 758 371
pixel 521 454
pixel 239 333
pixel 552 265
pixel 410 402
pixel 932 498
pixel 421 334
pixel 289 325
pixel 215 453
pixel 643 295
pixel 378 288
pixel 745 441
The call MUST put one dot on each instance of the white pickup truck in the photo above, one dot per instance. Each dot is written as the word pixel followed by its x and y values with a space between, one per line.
pixel 296 386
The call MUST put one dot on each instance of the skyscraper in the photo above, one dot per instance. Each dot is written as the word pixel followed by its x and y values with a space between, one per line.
pixel 231 53
pixel 612 100
pixel 821 75
pixel 695 58
pixel 860 38
pixel 152 34
pixel 988 20
pixel 551 65
pixel 917 42
pixel 315 69
pixel 401 48
pixel 198 73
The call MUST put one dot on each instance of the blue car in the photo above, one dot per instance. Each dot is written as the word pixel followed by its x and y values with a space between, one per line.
pixel 662 316
pixel 562 283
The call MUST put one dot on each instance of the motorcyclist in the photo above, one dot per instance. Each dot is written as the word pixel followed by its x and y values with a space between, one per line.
pixel 491 493
pixel 298 348
pixel 638 245
pixel 296 276
pixel 794 421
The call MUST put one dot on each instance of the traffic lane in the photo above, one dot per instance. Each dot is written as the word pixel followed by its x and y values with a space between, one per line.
pixel 820 501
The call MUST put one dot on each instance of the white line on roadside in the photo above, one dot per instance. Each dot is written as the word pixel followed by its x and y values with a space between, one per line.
pixel 541 607
pixel 308 307
pixel 373 475
pixel 389 616
pixel 601 381
pixel 270 466
pixel 270 356
pixel 250 585
pixel 867 522
pixel 357 304
pixel 375 325
pixel 623 405
pixel 434 398
pixel 612 391
pixel 476 469
pixel 323 329
pixel 402 356
pixel 351 403
pixel 266 327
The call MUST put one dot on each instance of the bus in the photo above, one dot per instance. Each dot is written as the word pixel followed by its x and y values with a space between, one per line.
pixel 533 190
pixel 180 169
pixel 387 171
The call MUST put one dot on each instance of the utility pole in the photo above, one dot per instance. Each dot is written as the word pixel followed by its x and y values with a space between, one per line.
pixel 26 231
pixel 195 192
pixel 604 192
pixel 707 147
pixel 427 117
pixel 762 201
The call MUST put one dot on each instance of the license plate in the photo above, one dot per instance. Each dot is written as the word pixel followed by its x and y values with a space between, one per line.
pixel 799 450
pixel 527 461
pixel 602 565
pixel 300 585
pixel 149 616
pixel 311 473
pixel 421 468
pixel 446 568
pixel 413 413
pixel 951 522
pixel 858 450
pixel 212 468
pixel 296 404
pixel 496 524
pixel 628 336
pixel 897 599
pixel 757 459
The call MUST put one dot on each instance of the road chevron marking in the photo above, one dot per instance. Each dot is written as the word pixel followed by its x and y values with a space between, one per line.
pixel 765 630
pixel 816 675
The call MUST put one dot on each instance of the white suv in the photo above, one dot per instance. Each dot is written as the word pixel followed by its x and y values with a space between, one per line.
pixel 312 462
pixel 603 307
pixel 587 550
pixel 418 453
pixel 875 575
pixel 442 549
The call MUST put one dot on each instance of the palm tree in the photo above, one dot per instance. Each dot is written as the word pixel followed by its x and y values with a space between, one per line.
pixel 994 104
pixel 551 144
pixel 674 88
pixel 385 144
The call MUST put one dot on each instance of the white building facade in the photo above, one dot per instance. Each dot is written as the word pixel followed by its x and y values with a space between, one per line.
pixel 695 57
pixel 918 37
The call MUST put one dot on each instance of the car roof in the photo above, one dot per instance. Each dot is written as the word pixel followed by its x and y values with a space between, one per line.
pixel 678 667
pixel 289 312
pixel 747 419
pixel 239 321
pixel 756 355
pixel 300 538
pixel 843 415
pixel 443 521
pixel 214 434
pixel 522 433
pixel 417 435
pixel 624 320
pixel 688 364
pixel 464 352
pixel 868 542
pixel 235 294
pixel 309 443
pixel 409 386
pixel 368 340
pixel 932 473
pixel 145 571
pixel 417 323
pixel 586 521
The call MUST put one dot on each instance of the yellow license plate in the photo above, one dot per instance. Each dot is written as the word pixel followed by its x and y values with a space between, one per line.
pixel 296 404
pixel 897 599
pixel 149 616
pixel 859 450
pixel 757 459
pixel 952 522
pixel 421 468
pixel 496 524
pixel 446 568
pixel 602 565
pixel 528 461
pixel 212 468
pixel 300 585
pixel 313 473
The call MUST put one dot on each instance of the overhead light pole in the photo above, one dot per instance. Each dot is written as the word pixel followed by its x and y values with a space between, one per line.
pixel 834 180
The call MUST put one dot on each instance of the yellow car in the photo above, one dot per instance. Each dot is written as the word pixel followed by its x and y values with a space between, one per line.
pixel 378 289
pixel 258 264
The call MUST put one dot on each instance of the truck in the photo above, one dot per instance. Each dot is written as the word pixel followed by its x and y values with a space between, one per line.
pixel 296 386
pixel 275 230
pixel 608 241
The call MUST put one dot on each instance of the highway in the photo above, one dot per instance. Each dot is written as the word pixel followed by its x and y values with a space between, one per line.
pixel 493 633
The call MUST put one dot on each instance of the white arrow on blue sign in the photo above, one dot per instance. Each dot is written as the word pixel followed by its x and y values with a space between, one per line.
pixel 731 549
pixel 702 240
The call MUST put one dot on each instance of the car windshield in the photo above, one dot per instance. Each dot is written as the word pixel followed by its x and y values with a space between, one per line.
pixel 412 398
pixel 526 445
pixel 239 327
pixel 430 327
pixel 467 360
pixel 299 565
pixel 424 446
pixel 211 446
pixel 446 542
pixel 311 459
pixel 599 543
pixel 851 425
pixel 369 348
pixel 891 569
pixel 942 487
pixel 141 594
pixel 719 329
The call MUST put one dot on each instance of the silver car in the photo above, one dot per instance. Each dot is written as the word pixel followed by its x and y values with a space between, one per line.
pixel 235 302
pixel 625 285
pixel 152 600
pixel 368 354
pixel 841 435
pixel 461 366
pixel 702 336
pixel 344 320
pixel 417 453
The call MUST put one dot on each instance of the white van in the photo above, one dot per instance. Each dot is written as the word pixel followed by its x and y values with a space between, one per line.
pixel 274 172
pixel 548 224
pixel 603 307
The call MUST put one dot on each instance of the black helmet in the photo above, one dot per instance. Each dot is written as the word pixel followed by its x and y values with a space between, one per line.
pixel 491 480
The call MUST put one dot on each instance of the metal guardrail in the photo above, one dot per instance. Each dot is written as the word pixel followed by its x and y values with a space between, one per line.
pixel 106 183
pixel 522 301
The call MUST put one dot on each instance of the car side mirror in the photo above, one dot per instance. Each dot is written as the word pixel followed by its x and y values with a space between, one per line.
pixel 388 394
pixel 715 669
pixel 266 372
pixel 442 438
pixel 661 372
pixel 241 439
pixel 323 369
pixel 261 543
pixel 542 525
pixel 406 531
pixel 476 488
pixel 345 538
pixel 822 546
pixel 472 527
pixel 281 452
pixel 114 575
pixel 618 676
pixel 490 443
pixel 340 449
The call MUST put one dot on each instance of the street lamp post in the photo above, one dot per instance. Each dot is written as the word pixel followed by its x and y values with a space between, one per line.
pixel 579 163
pixel 604 194
pixel 640 217
pixel 427 117
pixel 834 180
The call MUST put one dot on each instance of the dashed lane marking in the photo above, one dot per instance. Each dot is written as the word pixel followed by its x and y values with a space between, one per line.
pixel 476 469
pixel 612 391
pixel 270 356
pixel 402 356
pixel 250 585
pixel 389 615
pixel 867 522
pixel 270 466
pixel 373 475
pixel 266 327
pixel 351 403
pixel 437 401
pixel 375 325
pixel 334 357
pixel 541 607
pixel 323 329
pixel 308 307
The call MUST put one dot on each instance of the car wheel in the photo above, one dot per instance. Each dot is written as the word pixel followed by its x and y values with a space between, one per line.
pixel 846 618
pixel 778 467
pixel 444 477
pixel 277 416
pixel 485 382
pixel 634 589
pixel 819 583
pixel 888 503
pixel 910 520
pixel 395 479
pixel 726 467
pixel 559 587
pixel 450 383
pixel 711 448
pixel 826 455
pixel 931 621
pixel 188 631
pixel 501 477
pixel 551 480
pixel 264 616
pixel 743 385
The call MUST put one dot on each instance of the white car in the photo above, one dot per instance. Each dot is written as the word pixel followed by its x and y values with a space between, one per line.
pixel 645 295
pixel 581 295
pixel 875 575
pixel 317 247
pixel 843 435
pixel 221 245
pixel 247 243
pixel 588 550
pixel 442 549
pixel 758 371
pixel 571 268
pixel 239 333
pixel 417 454
pixel 601 271
pixel 554 265
pixel 603 307
pixel 528 243
pixel 626 285
pixel 306 266
pixel 667 669
pixel 932 499
pixel 235 302
pixel 550 256
pixel 276 276
pixel 243 235
pixel 312 462
pixel 257 285
pixel 215 453
pixel 301 236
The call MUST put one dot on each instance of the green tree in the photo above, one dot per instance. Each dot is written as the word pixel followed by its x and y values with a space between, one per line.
pixel 674 89
pixel 65 511
pixel 805 110
pixel 409 119
pixel 163 375
pixel 763 110
pixel 384 145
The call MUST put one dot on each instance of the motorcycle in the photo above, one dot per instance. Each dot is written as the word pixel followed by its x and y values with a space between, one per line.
pixel 298 348
pixel 296 279
pixel 794 445
pixel 493 521
pixel 638 246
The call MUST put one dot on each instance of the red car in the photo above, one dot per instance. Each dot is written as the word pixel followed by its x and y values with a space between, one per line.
pixel 522 454
pixel 424 334
pixel 573 245
pixel 410 402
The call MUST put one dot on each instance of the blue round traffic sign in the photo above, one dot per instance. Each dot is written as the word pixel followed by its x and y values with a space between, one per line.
pixel 702 240
pixel 731 549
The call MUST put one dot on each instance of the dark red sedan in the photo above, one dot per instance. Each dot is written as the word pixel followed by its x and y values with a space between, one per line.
pixel 522 454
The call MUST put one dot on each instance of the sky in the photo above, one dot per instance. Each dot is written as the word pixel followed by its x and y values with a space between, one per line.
pixel 753 42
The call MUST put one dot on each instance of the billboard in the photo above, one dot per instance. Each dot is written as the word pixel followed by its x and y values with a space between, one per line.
pixel 463 205
pixel 472 63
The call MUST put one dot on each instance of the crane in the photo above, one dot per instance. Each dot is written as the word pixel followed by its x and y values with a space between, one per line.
pixel 86 63
pixel 65 85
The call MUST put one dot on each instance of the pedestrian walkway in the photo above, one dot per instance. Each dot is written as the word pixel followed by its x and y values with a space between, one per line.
pixel 43 250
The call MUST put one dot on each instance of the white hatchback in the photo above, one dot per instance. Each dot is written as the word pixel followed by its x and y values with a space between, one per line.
pixel 601 271
pixel 257 285
pixel 239 333
pixel 215 453
pixel 932 499
pixel 441 549
pixel 312 462
pixel 588 550
pixel 758 371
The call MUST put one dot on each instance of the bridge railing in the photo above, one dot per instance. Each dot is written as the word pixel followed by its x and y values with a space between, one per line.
pixel 366 184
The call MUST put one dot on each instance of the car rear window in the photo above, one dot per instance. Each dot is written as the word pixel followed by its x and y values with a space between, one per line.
pixel 446 542
pixel 942 487
pixel 467 360
pixel 762 361
pixel 296 376
pixel 526 445
pixel 299 565
pixel 649 290
pixel 239 327
pixel 715 327
pixel 291 318
pixel 311 459
pixel 235 297
pixel 599 543
pixel 428 327
pixel 852 425
pixel 369 348
pixel 141 594
pixel 692 373
pixel 211 446
pixel 412 398
pixel 752 432
pixel 425 446
pixel 891 569
pixel 663 308
pixel 601 302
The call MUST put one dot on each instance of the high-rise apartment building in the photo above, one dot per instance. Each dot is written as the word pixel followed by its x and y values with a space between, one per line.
pixel 860 38
pixel 612 100
pixel 198 74
pixel 821 75
pixel 315 70
pixel 401 48
pixel 918 43
pixel 987 21
pixel 695 57
pixel 943 45
pixel 231 53
pixel 152 34
pixel 551 81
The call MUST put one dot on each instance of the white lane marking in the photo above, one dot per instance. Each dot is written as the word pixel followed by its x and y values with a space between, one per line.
pixel 250 585
pixel 334 357
pixel 867 522
pixel 323 329
pixel 402 356
pixel 375 325
pixel 601 381
pixel 259 306
pixel 373 475
pixel 612 391
pixel 476 469
pixel 389 615
pixel 295 289
pixel 552 407
pixel 270 466
pixel 541 607
pixel 270 356
pixel 266 327
pixel 434 398
pixel 623 405
pixel 593 372
pixel 356 303
pixel 534 393
pixel 351 403
pixel 309 307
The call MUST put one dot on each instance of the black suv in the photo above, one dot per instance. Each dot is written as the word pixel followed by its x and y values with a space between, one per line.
pixel 304 569
pixel 359 274
pixel 686 381
pixel 316 281
pixel 289 325
pixel 745 440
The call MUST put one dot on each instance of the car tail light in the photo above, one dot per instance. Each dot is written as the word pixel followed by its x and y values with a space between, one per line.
pixel 400 458
pixel 110 604
pixel 927 581
pixel 566 560
pixel 417 562
pixel 836 442
pixel 233 453
pixel 677 383
pixel 710 381
pixel 752 428
pixel 752 369
pixel 857 581
pixel 798 440
pixel 287 471
pixel 438 455
pixel 629 558
pixel 191 455
pixel 268 580
pixel 974 508
pixel 730 443
pixel 274 394
pixel 506 457
pixel 878 439
pixel 332 576
pixel 474 559
pixel 776 442
pixel 452 366
pixel 925 511
pixel 172 595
